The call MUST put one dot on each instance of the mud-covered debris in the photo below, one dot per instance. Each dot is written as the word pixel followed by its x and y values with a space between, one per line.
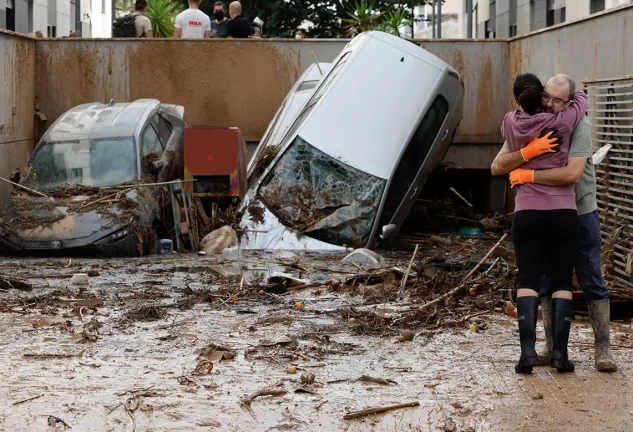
pixel 489 224
pixel 215 352
pixel 286 280
pixel 274 319
pixel 382 381
pixel 7 283
pixel 440 241
pixel 377 410
pixel 151 312
pixel 400 339
pixel 80 279
pixel 282 339
pixel 291 370
pixel 407 334
pixel 204 367
pixel 216 241
pixel 247 400
pixel 307 378
pixel 286 256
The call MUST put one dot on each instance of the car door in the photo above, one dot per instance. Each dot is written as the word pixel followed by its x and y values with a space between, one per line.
pixel 409 176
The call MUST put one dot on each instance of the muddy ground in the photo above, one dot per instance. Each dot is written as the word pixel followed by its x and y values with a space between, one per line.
pixel 140 349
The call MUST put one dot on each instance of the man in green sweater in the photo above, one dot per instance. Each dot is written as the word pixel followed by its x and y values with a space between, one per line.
pixel 581 172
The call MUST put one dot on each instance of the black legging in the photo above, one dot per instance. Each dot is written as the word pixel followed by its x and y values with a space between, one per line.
pixel 545 239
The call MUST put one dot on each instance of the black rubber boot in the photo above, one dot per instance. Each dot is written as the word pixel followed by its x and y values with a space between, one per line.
pixel 527 311
pixel 561 325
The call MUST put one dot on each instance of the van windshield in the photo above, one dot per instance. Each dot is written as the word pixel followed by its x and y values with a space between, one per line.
pixel 318 195
pixel 91 163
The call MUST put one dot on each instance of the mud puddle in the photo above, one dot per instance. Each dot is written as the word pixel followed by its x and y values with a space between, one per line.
pixel 142 359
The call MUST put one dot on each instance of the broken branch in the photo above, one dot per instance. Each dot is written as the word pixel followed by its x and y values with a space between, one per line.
pixel 377 410
pixel 264 392
pixel 406 274
pixel 459 196
pixel 24 187
pixel 27 400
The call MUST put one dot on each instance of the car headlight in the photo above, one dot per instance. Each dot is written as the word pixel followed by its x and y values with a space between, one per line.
pixel 114 237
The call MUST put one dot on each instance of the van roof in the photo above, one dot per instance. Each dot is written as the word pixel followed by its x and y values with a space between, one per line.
pixel 368 110
pixel 97 120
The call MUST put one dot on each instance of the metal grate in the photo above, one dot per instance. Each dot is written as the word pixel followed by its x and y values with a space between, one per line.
pixel 611 115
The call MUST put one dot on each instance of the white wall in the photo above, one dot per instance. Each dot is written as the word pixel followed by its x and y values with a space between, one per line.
pixel 483 11
pixel 101 19
pixel 40 16
pixel 63 18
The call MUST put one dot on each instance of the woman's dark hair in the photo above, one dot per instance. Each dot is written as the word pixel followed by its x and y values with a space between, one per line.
pixel 528 91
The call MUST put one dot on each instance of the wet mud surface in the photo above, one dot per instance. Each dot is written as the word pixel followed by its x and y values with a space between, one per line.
pixel 177 343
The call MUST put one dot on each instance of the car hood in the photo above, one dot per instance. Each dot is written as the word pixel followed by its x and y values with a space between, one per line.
pixel 262 230
pixel 47 219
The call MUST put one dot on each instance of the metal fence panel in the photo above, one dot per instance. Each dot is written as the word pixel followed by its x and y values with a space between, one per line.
pixel 612 124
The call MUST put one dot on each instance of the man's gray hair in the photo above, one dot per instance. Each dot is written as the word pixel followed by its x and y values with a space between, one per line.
pixel 561 79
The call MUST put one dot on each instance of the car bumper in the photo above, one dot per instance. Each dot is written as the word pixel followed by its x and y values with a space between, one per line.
pixel 124 247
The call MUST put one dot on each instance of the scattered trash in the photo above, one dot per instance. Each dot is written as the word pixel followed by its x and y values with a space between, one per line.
pixel 165 246
pixel 232 253
pixel 202 253
pixel 489 224
pixel 80 279
pixel 215 353
pixel 286 280
pixel 400 339
pixel 382 381
pixel 440 241
pixel 291 370
pixel 299 304
pixel 363 256
pixel 216 241
pixel 204 367
pixel 52 421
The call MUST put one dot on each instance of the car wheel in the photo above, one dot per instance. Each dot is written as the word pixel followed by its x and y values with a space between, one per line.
pixel 151 244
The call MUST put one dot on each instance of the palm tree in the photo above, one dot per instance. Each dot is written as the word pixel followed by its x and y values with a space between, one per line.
pixel 162 14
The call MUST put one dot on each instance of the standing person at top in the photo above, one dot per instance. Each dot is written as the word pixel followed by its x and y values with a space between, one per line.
pixel 238 27
pixel 545 225
pixel 141 22
pixel 192 23
pixel 219 26
pixel 300 33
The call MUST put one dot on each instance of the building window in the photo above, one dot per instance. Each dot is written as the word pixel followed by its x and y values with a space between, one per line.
pixel 596 6
pixel 103 6
pixel 563 15
pixel 513 30
pixel 550 13
pixel 51 31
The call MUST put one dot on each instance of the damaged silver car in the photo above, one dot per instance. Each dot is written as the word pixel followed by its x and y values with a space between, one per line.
pixel 87 165
pixel 359 152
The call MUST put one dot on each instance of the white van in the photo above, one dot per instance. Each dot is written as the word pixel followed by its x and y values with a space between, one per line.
pixel 290 107
pixel 357 155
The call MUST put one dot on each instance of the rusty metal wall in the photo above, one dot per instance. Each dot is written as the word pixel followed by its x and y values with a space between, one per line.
pixel 17 97
pixel 611 114
pixel 219 82
pixel 231 83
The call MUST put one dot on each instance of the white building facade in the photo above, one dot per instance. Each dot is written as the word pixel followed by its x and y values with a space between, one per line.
pixel 58 18
pixel 509 18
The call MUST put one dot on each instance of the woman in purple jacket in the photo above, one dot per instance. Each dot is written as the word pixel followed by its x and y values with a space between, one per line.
pixel 544 230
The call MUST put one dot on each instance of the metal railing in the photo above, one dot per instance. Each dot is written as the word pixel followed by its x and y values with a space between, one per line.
pixel 611 114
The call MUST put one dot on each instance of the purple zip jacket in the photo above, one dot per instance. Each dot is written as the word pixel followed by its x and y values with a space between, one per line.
pixel 519 128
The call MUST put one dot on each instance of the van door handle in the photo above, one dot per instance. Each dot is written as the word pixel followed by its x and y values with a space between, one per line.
pixel 415 191
pixel 445 135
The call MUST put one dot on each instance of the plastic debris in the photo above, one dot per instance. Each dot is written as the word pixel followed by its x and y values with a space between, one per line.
pixel 363 256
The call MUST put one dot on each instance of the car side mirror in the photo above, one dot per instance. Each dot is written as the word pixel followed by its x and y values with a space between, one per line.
pixel 15 176
pixel 157 166
pixel 388 232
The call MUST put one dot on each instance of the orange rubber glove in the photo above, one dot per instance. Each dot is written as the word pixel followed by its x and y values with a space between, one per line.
pixel 521 176
pixel 539 145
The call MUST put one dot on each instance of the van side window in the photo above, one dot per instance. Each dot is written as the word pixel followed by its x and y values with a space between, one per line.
pixel 162 128
pixel 151 143
pixel 413 157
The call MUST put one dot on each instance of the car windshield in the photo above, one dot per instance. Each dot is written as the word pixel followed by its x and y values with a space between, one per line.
pixel 318 195
pixel 91 163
